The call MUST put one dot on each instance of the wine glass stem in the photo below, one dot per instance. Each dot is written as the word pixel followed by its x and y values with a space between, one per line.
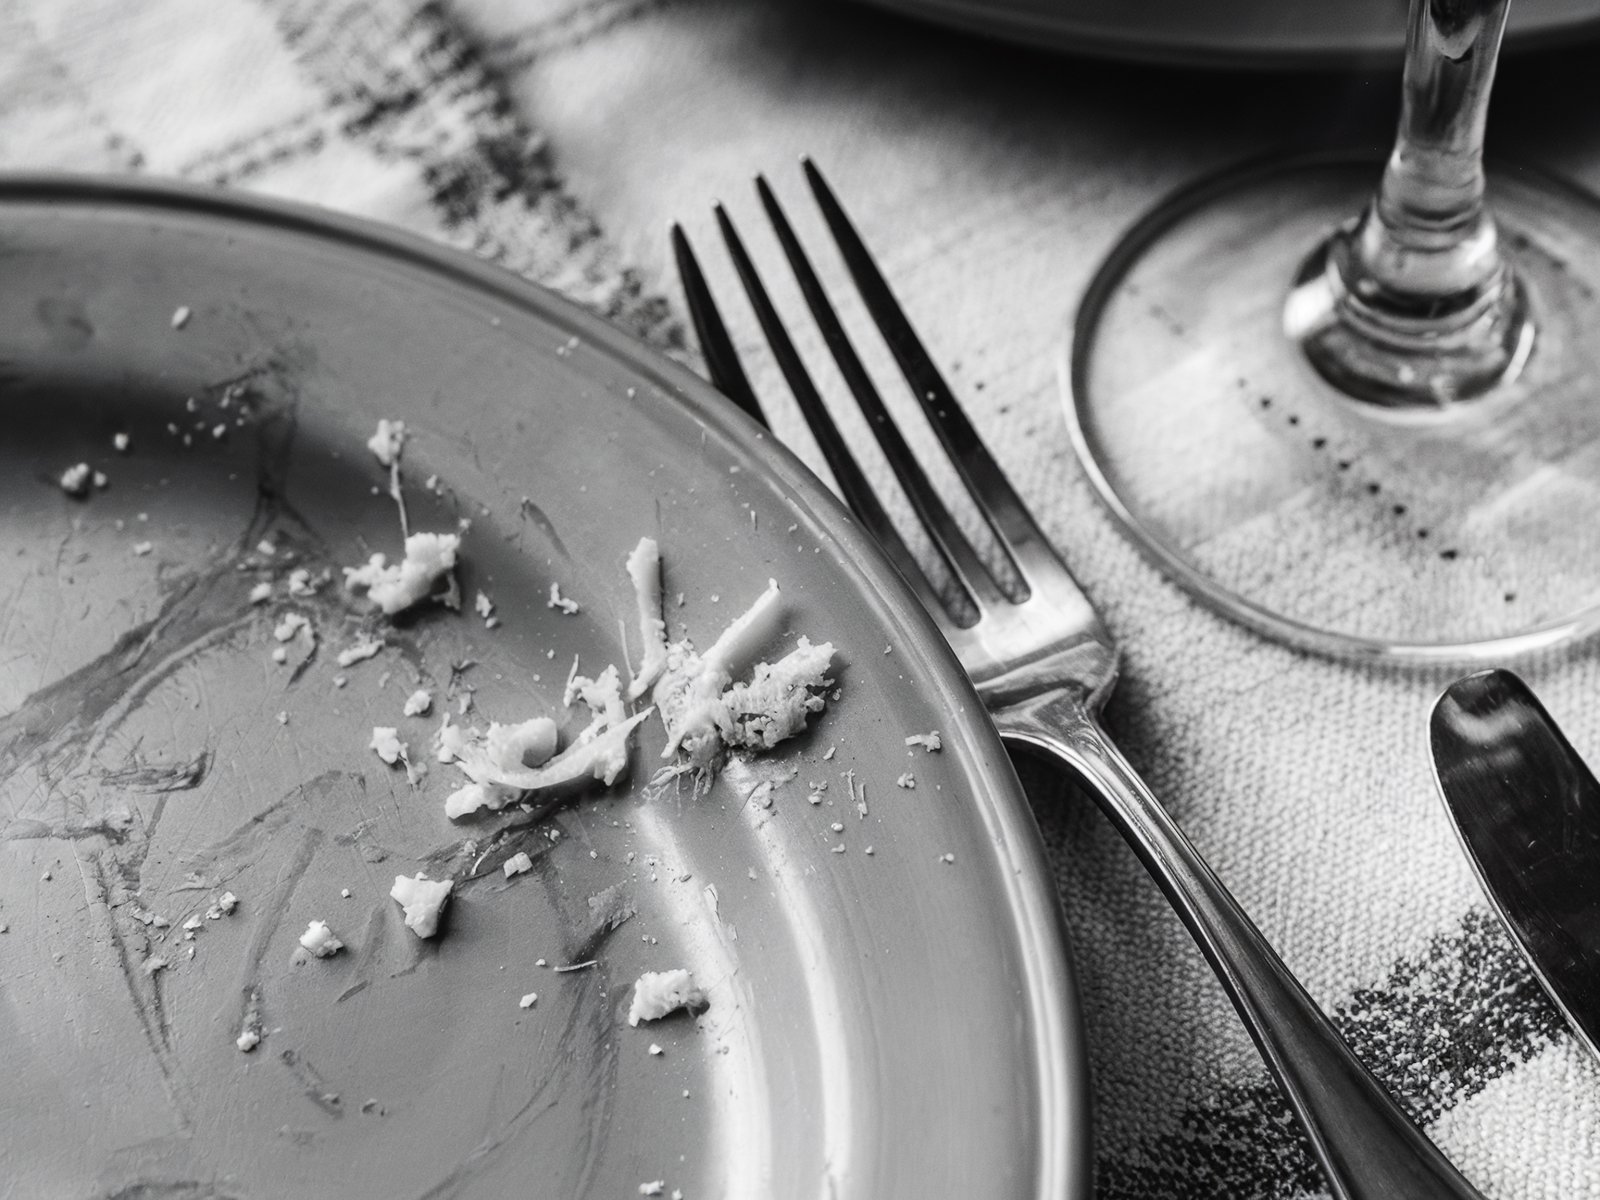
pixel 1429 232
pixel 1414 305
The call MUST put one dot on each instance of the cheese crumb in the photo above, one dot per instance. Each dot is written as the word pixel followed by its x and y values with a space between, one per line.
pixel 121 442
pixel 388 442
pixel 365 646
pixel 529 1000
pixel 657 993
pixel 180 316
pixel 418 703
pixel 929 741
pixel 422 898
pixel 906 781
pixel 428 557
pixel 75 480
pixel 261 593
pixel 247 1040
pixel 558 601
pixel 291 624
pixel 319 940
pixel 517 864
pixel 387 744
pixel 653 1188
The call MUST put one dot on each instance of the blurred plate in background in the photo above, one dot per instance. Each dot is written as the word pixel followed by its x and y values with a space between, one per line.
pixel 1232 33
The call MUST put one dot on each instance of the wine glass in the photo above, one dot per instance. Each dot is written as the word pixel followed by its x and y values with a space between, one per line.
pixel 1366 423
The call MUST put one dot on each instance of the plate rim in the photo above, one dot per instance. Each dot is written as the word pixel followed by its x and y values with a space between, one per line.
pixel 1044 32
pixel 1064 1163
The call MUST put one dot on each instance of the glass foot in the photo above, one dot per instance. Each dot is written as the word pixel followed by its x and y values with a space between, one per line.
pixel 1466 533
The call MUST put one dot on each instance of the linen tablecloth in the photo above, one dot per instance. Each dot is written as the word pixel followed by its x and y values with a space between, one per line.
pixel 560 138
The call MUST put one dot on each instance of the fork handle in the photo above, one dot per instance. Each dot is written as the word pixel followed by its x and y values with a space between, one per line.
pixel 1367 1145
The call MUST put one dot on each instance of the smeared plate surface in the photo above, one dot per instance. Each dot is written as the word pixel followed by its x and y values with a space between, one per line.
pixel 895 1024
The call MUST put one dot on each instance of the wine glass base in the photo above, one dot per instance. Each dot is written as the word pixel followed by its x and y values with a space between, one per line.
pixel 1454 536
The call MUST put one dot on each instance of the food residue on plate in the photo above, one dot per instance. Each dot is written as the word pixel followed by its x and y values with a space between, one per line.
pixel 658 993
pixel 418 703
pixel 319 940
pixel 290 624
pixel 388 442
pixel 428 558
pixel 560 602
pixel 301 584
pixel 364 647
pixel 75 480
pixel 387 745
pixel 705 711
pixel 422 898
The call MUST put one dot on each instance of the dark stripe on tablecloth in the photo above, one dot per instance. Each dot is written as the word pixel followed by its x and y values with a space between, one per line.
pixel 571 29
pixel 409 85
pixel 236 162
pixel 1437 1030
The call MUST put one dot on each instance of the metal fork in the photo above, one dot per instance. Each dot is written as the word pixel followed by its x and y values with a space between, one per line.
pixel 1044 665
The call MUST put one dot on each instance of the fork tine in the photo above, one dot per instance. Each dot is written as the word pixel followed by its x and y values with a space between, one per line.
pixel 722 361
pixel 1018 533
pixel 974 580
pixel 858 493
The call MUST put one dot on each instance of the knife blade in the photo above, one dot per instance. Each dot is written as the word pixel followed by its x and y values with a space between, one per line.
pixel 1527 811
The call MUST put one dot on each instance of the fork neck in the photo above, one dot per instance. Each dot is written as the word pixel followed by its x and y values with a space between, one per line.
pixel 1086 667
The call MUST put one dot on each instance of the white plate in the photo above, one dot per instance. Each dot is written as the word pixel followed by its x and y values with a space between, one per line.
pixel 882 1024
